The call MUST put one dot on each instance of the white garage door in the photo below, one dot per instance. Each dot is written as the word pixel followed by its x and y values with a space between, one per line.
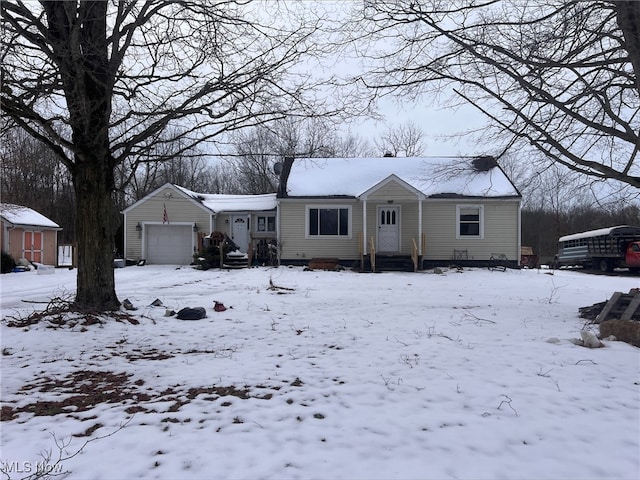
pixel 169 244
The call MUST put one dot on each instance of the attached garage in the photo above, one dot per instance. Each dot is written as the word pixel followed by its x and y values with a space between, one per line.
pixel 169 244
pixel 167 226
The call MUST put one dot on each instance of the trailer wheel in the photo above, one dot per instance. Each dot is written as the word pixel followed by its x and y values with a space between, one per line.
pixel 605 265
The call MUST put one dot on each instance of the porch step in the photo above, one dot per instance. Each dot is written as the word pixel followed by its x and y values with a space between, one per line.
pixel 394 263
pixel 236 259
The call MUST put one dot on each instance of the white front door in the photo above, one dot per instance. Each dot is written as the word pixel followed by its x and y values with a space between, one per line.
pixel 388 229
pixel 240 231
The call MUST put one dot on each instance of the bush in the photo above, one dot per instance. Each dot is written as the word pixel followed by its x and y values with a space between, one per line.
pixel 8 263
pixel 208 257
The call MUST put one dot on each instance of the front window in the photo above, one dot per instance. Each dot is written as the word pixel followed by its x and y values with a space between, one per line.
pixel 266 223
pixel 328 221
pixel 470 221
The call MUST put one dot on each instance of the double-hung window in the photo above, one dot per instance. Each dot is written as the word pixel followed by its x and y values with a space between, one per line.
pixel 470 221
pixel 328 221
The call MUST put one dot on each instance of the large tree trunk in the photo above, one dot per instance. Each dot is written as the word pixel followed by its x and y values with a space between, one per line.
pixel 94 234
pixel 78 34
pixel 284 176
pixel 628 16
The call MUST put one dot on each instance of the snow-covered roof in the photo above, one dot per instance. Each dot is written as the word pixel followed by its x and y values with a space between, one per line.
pixel 619 230
pixel 430 176
pixel 233 203
pixel 25 216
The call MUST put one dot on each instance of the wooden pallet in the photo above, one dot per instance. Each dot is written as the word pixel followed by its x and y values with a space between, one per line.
pixel 324 264
pixel 621 306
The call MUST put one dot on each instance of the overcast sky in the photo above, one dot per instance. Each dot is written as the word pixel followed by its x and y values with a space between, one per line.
pixel 436 121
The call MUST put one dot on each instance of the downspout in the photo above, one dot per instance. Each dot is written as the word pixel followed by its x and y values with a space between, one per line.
pixel 125 240
pixel 420 226
pixel 364 226
pixel 518 252
pixel 278 246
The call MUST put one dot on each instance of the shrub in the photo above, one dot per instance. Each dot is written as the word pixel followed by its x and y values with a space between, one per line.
pixel 8 263
pixel 208 257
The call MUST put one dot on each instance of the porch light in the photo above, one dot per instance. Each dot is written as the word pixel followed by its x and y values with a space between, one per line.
pixel 195 227
pixel 138 227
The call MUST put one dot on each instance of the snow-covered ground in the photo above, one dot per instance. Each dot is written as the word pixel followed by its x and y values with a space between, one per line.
pixel 335 375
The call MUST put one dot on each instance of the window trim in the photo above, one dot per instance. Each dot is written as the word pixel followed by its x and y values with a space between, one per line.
pixel 310 207
pixel 480 208
pixel 266 223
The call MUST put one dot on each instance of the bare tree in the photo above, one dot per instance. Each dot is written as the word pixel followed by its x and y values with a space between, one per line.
pixel 165 162
pixel 32 176
pixel 354 146
pixel 559 76
pixel 222 179
pixel 103 81
pixel 259 149
pixel 30 171
pixel 405 138
pixel 256 154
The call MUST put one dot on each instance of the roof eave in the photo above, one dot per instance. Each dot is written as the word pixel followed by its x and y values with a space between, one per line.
pixel 319 197
pixel 480 197
pixel 32 226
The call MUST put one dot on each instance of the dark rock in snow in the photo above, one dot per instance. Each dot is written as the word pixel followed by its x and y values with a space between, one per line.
pixel 189 313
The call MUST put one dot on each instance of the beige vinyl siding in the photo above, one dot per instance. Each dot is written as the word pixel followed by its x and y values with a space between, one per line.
pixel 409 227
pixel 392 191
pixel 372 223
pixel 222 223
pixel 294 243
pixel 500 230
pixel 179 210
pixel 255 234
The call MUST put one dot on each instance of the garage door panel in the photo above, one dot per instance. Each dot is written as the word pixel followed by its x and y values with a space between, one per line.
pixel 169 244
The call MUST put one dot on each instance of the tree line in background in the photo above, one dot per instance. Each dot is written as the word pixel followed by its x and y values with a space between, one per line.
pixel 542 228
pixel 555 202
